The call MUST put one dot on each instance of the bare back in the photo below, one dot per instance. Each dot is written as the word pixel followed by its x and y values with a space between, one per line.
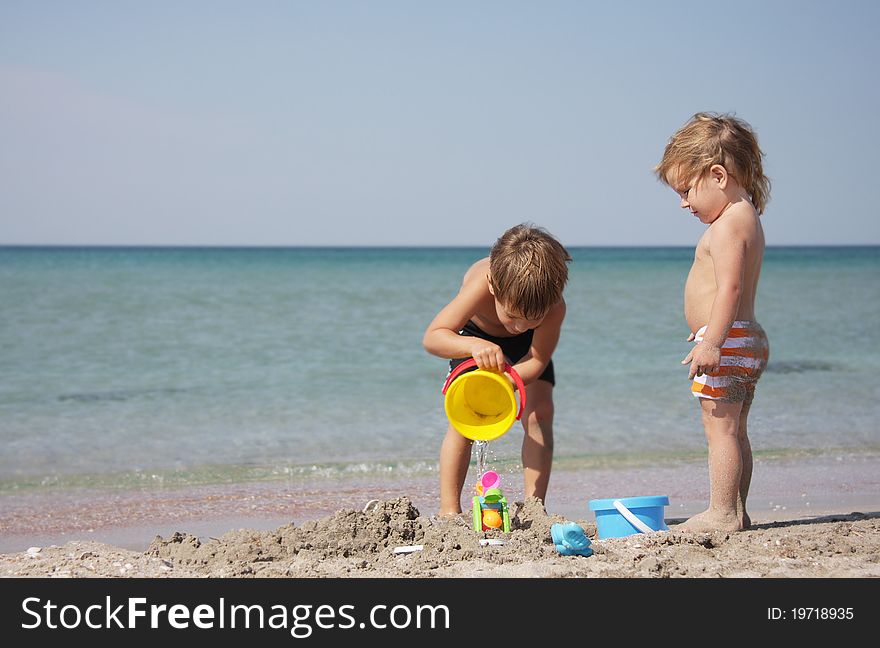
pixel 731 250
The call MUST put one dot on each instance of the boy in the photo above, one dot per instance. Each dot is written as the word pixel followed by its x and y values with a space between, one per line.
pixel 509 309
pixel 714 164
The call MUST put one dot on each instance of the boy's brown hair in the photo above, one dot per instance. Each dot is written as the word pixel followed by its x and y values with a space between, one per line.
pixel 713 138
pixel 528 271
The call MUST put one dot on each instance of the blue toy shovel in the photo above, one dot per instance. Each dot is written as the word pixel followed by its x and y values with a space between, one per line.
pixel 570 540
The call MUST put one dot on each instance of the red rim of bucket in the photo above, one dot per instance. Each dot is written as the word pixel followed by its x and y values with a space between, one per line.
pixel 467 364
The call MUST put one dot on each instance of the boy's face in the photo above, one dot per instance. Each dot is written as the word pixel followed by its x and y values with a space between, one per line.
pixel 510 317
pixel 703 196
pixel 512 321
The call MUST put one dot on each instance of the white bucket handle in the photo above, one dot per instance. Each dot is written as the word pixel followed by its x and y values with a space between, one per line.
pixel 631 518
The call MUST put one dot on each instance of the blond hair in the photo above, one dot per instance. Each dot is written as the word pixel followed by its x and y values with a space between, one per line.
pixel 712 138
pixel 528 271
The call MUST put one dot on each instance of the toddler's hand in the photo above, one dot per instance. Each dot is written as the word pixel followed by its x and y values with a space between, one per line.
pixel 488 355
pixel 703 359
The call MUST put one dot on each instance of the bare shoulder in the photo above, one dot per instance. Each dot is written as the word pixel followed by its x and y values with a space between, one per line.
pixel 741 217
pixel 739 223
pixel 556 313
pixel 479 271
pixel 475 285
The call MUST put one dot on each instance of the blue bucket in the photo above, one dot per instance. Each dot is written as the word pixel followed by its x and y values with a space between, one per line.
pixel 616 518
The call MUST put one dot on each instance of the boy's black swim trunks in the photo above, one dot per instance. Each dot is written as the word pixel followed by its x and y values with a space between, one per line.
pixel 513 347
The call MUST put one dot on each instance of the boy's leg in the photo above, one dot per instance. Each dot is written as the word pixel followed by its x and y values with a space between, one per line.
pixel 455 455
pixel 721 423
pixel 537 447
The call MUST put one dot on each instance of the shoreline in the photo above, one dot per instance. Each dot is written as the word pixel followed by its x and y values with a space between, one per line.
pixel 782 490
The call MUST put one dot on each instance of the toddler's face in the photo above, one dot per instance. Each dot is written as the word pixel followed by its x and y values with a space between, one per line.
pixel 702 196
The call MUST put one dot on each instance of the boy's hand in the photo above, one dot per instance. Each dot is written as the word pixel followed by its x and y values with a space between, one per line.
pixel 488 355
pixel 703 358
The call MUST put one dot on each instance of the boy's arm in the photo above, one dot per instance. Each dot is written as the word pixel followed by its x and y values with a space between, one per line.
pixel 728 251
pixel 442 338
pixel 544 341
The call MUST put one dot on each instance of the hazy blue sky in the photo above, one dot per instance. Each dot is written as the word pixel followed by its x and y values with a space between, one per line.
pixel 398 123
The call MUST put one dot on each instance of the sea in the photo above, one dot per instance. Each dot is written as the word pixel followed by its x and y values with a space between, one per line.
pixel 138 368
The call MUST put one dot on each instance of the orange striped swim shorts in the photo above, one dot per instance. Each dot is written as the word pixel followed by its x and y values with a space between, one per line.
pixel 744 356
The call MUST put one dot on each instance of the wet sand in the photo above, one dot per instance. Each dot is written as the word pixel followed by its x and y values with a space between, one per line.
pixel 816 516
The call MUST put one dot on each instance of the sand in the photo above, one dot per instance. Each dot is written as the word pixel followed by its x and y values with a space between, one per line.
pixel 812 517
pixel 354 543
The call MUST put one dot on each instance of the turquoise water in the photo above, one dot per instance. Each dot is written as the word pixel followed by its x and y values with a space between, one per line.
pixel 126 366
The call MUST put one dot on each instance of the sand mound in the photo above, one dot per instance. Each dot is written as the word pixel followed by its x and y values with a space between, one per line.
pixel 361 544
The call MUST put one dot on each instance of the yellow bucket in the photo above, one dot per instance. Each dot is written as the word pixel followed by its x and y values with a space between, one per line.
pixel 481 404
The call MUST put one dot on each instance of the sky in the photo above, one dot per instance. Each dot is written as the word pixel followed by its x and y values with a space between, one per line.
pixel 384 123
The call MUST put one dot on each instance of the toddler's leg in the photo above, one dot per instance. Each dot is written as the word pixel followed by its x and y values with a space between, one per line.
pixel 455 455
pixel 537 447
pixel 721 423
pixel 746 451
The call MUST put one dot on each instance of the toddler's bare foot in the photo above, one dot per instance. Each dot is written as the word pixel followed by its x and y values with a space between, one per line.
pixel 709 521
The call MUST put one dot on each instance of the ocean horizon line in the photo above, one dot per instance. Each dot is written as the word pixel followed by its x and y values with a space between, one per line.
pixel 328 247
